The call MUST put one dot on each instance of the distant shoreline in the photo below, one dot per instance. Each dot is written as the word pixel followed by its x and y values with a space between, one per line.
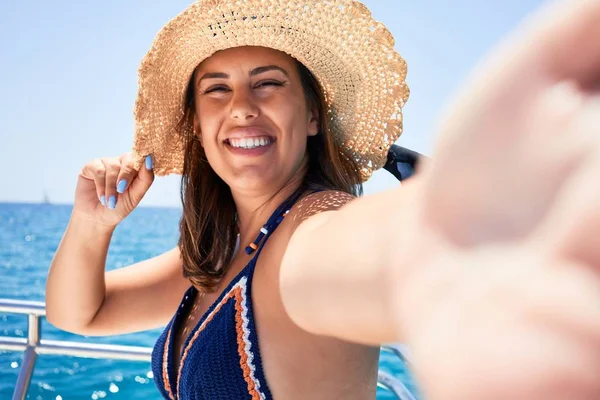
pixel 31 203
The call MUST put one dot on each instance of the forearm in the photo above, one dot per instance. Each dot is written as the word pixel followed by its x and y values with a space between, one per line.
pixel 335 273
pixel 75 287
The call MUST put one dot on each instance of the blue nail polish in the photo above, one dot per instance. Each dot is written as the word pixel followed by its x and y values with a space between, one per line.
pixel 121 186
pixel 112 202
pixel 148 162
pixel 103 200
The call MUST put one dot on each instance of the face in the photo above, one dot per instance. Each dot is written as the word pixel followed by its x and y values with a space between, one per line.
pixel 252 117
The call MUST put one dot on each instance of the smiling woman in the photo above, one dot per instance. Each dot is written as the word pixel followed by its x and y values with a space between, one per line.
pixel 284 283
pixel 248 100
pixel 268 130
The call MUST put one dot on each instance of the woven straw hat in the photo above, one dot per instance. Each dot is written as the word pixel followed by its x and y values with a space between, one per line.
pixel 351 55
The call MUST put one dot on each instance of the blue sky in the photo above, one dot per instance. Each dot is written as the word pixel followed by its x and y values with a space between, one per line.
pixel 68 80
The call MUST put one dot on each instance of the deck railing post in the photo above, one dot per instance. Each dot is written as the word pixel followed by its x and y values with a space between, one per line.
pixel 29 358
pixel 25 374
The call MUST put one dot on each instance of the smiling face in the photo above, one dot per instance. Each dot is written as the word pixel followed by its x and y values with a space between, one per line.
pixel 252 117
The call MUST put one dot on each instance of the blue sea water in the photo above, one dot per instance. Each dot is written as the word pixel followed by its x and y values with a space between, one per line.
pixel 29 236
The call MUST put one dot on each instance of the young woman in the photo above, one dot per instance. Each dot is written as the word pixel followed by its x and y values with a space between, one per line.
pixel 283 282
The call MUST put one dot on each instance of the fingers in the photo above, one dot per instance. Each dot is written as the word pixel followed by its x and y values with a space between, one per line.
pixel 572 230
pixel 96 171
pixel 145 177
pixel 112 167
pixel 116 180
pixel 566 298
pixel 127 173
pixel 568 41
pixel 561 39
pixel 558 43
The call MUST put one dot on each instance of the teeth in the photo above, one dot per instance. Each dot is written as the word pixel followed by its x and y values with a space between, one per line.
pixel 250 143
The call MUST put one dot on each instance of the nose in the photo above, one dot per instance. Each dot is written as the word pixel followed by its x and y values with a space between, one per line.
pixel 243 106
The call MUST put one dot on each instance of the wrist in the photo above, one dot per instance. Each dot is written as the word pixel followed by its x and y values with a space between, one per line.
pixel 83 224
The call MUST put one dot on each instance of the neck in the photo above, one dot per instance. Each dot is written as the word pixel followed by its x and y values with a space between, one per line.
pixel 254 209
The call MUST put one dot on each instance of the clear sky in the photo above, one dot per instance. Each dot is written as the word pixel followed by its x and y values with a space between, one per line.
pixel 68 80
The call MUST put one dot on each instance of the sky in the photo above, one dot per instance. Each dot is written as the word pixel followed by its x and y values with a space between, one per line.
pixel 68 80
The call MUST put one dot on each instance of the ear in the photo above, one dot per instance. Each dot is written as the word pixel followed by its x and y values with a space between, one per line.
pixel 313 121
pixel 197 131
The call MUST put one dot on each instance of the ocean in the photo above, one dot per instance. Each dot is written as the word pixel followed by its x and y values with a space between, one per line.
pixel 29 236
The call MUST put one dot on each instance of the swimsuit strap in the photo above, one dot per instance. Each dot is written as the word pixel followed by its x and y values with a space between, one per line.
pixel 278 216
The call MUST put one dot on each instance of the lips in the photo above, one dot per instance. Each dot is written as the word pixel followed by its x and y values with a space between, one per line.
pixel 250 142
pixel 248 132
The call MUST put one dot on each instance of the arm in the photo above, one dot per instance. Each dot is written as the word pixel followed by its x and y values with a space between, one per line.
pixel 338 287
pixel 75 286
pixel 82 298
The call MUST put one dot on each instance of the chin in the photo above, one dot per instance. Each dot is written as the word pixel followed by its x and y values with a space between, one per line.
pixel 252 179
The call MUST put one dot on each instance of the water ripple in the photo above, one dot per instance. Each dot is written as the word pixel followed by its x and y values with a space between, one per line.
pixel 29 236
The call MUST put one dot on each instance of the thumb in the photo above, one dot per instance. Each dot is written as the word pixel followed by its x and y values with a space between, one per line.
pixel 568 39
pixel 560 42
pixel 144 180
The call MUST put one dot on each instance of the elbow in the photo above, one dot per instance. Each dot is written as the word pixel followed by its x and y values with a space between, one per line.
pixel 62 320
pixel 53 315
pixel 64 324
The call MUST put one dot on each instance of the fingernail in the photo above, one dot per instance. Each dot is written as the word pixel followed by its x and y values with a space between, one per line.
pixel 103 200
pixel 121 186
pixel 148 162
pixel 112 202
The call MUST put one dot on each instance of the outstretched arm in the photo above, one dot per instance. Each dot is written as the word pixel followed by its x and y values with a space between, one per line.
pixel 334 274
pixel 488 266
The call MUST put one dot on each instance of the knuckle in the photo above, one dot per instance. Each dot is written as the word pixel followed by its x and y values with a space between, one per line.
pixel 126 169
pixel 111 163
pixel 112 166
pixel 99 171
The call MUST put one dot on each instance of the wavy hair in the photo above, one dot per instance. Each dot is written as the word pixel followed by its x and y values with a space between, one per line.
pixel 208 226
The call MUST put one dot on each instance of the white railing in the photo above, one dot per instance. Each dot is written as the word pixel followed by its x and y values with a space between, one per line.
pixel 34 345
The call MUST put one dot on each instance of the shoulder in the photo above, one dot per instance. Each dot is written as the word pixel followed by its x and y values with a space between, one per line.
pixel 317 203
pixel 311 210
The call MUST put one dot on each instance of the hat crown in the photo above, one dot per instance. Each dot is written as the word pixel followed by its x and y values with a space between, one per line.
pixel 351 55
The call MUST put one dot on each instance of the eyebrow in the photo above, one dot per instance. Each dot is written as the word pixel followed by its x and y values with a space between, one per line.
pixel 254 72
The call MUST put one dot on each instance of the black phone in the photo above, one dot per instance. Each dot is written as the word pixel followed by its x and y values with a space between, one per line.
pixel 402 162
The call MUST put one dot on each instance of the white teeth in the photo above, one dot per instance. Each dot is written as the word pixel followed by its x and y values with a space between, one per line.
pixel 250 143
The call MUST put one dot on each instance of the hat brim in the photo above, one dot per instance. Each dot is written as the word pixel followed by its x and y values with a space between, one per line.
pixel 350 54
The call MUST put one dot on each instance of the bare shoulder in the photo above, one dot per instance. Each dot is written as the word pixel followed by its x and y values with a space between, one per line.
pixel 318 203
pixel 310 210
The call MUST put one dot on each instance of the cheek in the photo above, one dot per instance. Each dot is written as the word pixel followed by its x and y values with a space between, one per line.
pixel 208 125
pixel 289 116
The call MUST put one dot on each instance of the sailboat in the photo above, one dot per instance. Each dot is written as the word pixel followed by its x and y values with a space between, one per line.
pixel 46 199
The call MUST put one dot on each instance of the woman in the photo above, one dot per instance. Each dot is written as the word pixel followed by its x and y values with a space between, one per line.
pixel 316 268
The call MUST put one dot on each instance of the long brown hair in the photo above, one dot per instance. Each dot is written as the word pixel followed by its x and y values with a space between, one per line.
pixel 208 226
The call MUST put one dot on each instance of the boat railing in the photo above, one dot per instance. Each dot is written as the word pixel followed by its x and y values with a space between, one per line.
pixel 34 345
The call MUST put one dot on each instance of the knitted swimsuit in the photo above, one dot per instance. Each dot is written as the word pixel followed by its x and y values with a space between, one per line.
pixel 221 359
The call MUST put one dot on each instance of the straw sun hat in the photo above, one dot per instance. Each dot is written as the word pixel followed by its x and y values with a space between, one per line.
pixel 351 55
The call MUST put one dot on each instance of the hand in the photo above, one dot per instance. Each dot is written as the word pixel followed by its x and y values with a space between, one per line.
pixel 522 144
pixel 108 189
pixel 502 322
pixel 505 302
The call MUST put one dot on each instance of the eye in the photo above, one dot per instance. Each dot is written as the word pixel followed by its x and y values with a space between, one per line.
pixel 269 83
pixel 218 88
